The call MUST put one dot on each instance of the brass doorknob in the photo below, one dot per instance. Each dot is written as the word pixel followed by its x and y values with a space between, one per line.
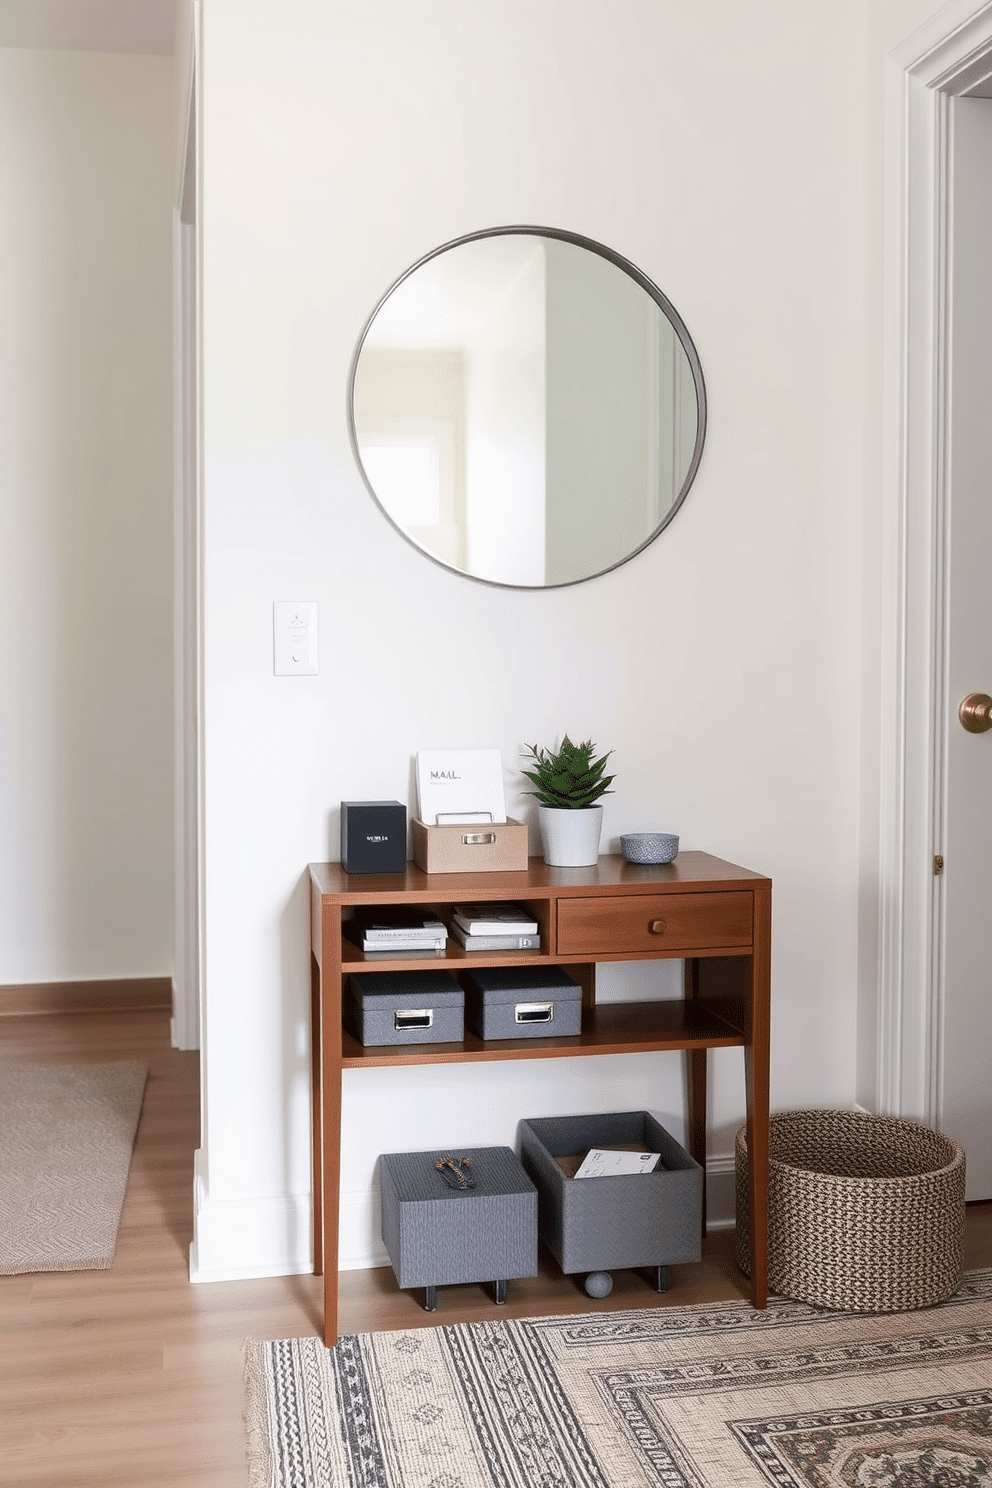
pixel 975 712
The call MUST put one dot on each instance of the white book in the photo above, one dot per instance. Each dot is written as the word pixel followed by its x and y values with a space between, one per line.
pixel 496 942
pixel 429 930
pixel 602 1163
pixel 460 785
pixel 391 947
pixel 397 931
pixel 494 919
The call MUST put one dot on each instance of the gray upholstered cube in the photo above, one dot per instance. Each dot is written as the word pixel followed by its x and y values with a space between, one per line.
pixel 436 1235
pixel 603 1224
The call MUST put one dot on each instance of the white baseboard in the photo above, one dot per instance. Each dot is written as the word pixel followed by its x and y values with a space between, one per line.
pixel 360 1246
pixel 247 1238
pixel 721 1197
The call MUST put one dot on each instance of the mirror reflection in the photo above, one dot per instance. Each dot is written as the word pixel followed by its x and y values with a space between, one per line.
pixel 528 409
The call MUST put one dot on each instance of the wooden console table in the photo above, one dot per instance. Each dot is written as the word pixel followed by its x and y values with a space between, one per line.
pixel 715 916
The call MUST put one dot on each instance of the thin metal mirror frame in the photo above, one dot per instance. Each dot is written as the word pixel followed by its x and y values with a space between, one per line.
pixel 650 288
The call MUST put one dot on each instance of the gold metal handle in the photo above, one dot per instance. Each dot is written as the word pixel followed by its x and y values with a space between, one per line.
pixel 478 839
pixel 658 927
pixel 975 713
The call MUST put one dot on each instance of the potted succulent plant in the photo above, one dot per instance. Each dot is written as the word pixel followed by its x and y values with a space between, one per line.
pixel 568 783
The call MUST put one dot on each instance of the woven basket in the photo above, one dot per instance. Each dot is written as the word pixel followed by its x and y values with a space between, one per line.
pixel 865 1213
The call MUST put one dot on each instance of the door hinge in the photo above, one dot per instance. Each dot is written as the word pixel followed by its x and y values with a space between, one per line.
pixel 938 864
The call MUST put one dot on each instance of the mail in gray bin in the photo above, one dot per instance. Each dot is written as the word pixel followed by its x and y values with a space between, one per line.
pixel 613 1224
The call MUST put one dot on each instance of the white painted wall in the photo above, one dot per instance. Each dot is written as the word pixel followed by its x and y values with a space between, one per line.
pixel 86 169
pixel 734 153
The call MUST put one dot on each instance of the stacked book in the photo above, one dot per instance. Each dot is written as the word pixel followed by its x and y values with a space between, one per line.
pixel 398 929
pixel 495 927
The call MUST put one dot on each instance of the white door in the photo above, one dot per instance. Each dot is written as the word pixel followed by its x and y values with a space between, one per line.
pixel 964 1075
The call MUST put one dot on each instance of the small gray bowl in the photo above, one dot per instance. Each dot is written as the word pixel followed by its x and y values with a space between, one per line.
pixel 649 847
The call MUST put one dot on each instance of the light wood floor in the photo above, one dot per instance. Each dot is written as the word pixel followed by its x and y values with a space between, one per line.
pixel 131 1378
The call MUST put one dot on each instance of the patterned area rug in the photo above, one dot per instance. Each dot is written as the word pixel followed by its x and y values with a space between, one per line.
pixel 66 1134
pixel 713 1396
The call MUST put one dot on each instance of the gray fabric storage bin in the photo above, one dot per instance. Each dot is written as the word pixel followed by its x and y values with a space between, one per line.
pixel 603 1224
pixel 504 1002
pixel 437 1236
pixel 406 1007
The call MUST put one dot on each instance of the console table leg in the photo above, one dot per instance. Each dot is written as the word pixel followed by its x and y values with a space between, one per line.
pixel 317 1119
pixel 696 1080
pixel 757 1086
pixel 757 1175
pixel 697 1115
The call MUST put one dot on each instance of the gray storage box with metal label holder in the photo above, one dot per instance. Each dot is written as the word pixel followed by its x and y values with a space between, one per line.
pixel 437 1236
pixel 406 1007
pixel 615 1223
pixel 505 1002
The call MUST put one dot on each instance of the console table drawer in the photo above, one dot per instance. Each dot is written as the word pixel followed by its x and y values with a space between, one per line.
pixel 669 922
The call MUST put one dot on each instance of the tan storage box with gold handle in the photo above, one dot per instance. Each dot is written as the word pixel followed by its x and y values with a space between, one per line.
pixel 476 848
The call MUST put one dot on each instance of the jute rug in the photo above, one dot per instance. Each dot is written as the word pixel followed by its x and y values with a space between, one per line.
pixel 671 1397
pixel 66 1134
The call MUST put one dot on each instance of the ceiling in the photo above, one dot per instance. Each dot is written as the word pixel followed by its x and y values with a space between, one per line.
pixel 137 27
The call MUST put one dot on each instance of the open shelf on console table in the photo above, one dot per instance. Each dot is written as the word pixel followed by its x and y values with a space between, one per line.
pixel 714 915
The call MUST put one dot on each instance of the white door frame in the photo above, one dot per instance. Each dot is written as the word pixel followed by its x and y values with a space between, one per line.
pixel 187 583
pixel 950 55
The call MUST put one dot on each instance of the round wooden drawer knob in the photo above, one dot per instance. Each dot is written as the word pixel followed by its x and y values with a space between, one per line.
pixel 658 927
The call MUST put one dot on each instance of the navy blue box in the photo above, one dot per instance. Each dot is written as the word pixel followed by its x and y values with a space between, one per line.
pixel 373 836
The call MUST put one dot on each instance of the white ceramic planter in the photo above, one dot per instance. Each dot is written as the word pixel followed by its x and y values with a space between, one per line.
pixel 570 838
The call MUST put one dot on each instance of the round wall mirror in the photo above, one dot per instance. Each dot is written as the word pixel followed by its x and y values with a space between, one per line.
pixel 527 408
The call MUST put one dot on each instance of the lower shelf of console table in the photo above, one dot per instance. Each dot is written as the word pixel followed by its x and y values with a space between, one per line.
pixel 713 915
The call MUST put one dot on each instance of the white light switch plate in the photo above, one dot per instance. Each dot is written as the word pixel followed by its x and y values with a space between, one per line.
pixel 294 637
